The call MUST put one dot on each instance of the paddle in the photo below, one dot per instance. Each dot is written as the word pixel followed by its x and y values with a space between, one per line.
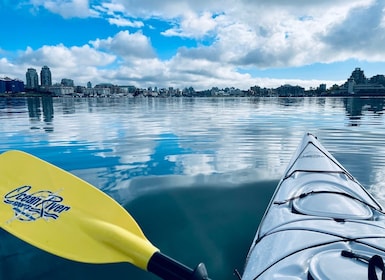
pixel 64 215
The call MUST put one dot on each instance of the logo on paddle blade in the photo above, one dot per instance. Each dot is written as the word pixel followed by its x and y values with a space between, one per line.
pixel 30 206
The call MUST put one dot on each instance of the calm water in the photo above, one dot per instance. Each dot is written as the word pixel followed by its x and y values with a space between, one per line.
pixel 196 174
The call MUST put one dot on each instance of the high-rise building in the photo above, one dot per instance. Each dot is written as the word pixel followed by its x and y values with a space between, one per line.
pixel 32 79
pixel 45 76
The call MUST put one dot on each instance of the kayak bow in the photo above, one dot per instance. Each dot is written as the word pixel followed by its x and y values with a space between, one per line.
pixel 320 224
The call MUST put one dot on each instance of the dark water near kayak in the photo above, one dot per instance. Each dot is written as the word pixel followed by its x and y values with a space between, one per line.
pixel 196 174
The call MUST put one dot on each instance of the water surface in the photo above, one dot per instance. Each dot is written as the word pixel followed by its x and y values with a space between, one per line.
pixel 196 174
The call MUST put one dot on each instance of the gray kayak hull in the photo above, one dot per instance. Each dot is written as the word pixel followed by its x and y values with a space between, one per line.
pixel 320 224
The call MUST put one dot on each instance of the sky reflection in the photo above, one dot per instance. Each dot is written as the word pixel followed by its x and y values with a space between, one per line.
pixel 121 139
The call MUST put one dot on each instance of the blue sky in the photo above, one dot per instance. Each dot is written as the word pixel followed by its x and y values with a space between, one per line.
pixel 199 43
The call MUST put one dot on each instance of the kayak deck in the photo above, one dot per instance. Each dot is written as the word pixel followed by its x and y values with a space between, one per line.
pixel 317 212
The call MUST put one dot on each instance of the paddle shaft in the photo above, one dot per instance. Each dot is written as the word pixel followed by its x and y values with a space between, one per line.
pixel 167 268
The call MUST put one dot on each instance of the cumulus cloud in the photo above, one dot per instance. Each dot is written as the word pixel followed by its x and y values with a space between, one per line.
pixel 193 26
pixel 127 45
pixel 360 34
pixel 7 68
pixel 116 15
pixel 87 63
pixel 66 8
pixel 120 21
pixel 229 35
pixel 63 56
pixel 285 36
pixel 264 34
pixel 79 63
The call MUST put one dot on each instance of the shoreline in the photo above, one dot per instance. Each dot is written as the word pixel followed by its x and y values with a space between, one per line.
pixel 35 94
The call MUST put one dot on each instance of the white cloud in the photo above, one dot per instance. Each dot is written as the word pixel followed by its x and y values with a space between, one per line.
pixel 193 26
pixel 127 45
pixel 283 36
pixel 360 34
pixel 97 63
pixel 110 8
pixel 229 35
pixel 79 63
pixel 62 56
pixel 115 15
pixel 66 8
pixel 264 34
pixel 123 22
pixel 9 69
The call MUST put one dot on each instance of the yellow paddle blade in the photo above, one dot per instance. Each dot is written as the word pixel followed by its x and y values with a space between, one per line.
pixel 64 215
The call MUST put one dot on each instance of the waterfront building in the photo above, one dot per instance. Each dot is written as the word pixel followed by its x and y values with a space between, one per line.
pixel 369 89
pixel 32 79
pixel 289 90
pixel 358 76
pixel 378 79
pixel 45 77
pixel 112 89
pixel 61 90
pixel 359 85
pixel 80 89
pixel 97 91
pixel 322 88
pixel 89 85
pixel 15 85
pixel 67 82
pixel 128 89
pixel 8 85
pixel 258 91
pixel 2 85
pixel 350 85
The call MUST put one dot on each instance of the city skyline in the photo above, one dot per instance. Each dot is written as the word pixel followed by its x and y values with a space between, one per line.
pixel 356 85
pixel 357 77
pixel 32 79
pixel 194 43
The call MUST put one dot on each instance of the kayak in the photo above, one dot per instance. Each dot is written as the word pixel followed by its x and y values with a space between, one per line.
pixel 321 223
